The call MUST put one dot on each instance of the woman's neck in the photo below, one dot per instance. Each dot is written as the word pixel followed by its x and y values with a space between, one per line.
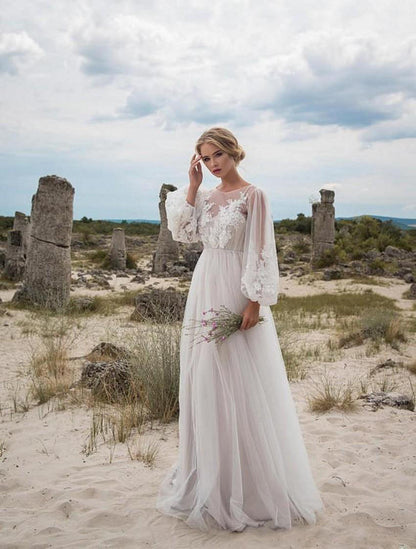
pixel 232 180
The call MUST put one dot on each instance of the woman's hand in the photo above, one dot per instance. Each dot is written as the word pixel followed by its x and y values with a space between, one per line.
pixel 195 172
pixel 250 315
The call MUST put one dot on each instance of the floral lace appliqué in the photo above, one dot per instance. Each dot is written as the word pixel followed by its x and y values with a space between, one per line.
pixel 259 279
pixel 217 229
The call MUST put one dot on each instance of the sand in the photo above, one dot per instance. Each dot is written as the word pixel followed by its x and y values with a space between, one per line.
pixel 54 495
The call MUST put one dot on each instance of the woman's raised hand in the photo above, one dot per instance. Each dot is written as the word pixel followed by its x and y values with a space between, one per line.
pixel 195 172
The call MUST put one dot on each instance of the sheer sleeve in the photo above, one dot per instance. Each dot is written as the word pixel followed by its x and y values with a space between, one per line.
pixel 260 273
pixel 182 217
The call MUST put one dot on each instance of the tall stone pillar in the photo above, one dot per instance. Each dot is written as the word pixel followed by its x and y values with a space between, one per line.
pixel 167 248
pixel 14 267
pixel 323 225
pixel 118 254
pixel 21 223
pixel 48 265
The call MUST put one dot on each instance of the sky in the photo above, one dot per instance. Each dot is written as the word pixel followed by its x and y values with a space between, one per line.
pixel 113 96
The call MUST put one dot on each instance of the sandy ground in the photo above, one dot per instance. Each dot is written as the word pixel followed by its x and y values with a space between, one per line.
pixel 53 495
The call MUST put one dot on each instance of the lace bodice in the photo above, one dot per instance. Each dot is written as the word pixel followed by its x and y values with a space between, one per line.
pixel 237 220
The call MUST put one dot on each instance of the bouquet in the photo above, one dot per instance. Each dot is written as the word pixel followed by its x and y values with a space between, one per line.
pixel 218 325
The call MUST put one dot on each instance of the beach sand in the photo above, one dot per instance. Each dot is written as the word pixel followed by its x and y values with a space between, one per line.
pixel 54 495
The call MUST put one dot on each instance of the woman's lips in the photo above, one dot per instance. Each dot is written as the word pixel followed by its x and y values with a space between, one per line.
pixel 217 170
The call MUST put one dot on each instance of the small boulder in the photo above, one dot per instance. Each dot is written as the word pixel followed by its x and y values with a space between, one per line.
pixel 159 305
pixel 377 399
pixel 409 278
pixel 412 291
pixel 332 274
pixel 111 381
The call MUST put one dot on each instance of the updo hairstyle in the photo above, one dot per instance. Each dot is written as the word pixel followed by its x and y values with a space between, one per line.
pixel 224 140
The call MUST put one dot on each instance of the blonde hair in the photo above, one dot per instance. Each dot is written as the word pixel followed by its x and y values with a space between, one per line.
pixel 224 140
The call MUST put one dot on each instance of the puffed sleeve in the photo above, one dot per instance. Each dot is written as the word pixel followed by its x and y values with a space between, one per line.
pixel 182 217
pixel 260 273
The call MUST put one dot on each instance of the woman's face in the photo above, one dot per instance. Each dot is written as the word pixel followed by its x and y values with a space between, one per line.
pixel 216 160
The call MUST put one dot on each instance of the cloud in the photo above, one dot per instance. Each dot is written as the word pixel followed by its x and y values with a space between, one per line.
pixel 327 79
pixel 395 130
pixel 316 94
pixel 351 82
pixel 128 45
pixel 16 51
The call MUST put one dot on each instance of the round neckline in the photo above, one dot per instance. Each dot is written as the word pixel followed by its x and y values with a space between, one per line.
pixel 234 190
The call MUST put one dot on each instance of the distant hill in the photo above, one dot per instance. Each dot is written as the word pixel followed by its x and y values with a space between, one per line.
pixel 403 223
pixel 157 222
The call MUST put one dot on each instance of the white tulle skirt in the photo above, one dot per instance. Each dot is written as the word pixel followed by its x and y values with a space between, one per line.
pixel 242 459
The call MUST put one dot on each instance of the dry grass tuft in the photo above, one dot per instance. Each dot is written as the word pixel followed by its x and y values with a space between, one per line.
pixel 377 326
pixel 155 369
pixel 144 451
pixel 50 373
pixel 115 424
pixel 328 395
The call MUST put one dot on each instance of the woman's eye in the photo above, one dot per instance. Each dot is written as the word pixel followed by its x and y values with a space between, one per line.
pixel 205 159
pixel 218 154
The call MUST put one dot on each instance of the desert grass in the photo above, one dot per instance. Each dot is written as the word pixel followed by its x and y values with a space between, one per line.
pixel 324 311
pixel 114 424
pixel 155 366
pixel 103 305
pixel 376 326
pixel 369 281
pixel 100 305
pixel 49 369
pixel 341 304
pixel 297 357
pixel 153 394
pixel 144 451
pixel 327 394
pixel 153 357
pixel 386 384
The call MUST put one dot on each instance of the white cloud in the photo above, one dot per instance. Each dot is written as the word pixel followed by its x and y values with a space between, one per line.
pixel 326 79
pixel 17 50
pixel 318 96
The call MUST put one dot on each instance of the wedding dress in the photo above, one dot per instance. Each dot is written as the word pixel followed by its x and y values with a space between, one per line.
pixel 242 459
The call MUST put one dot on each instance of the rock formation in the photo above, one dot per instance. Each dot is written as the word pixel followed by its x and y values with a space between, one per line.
pixel 14 261
pixel 159 305
pixel 323 225
pixel 118 254
pixel 16 248
pixel 48 265
pixel 21 223
pixel 111 381
pixel 167 248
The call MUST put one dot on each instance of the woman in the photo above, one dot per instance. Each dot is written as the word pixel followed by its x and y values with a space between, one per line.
pixel 241 460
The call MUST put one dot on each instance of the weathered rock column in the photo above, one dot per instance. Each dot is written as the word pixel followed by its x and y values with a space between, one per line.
pixel 167 248
pixel 323 225
pixel 14 267
pixel 21 223
pixel 118 254
pixel 48 265
pixel 16 249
